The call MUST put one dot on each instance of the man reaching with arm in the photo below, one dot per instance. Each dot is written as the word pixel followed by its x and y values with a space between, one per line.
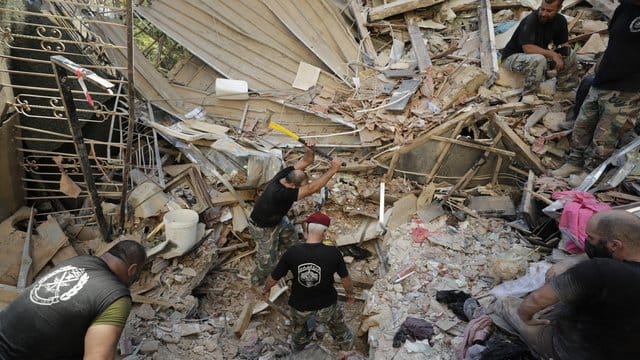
pixel 269 225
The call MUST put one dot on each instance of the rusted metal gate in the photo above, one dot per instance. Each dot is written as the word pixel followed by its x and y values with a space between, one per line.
pixel 31 34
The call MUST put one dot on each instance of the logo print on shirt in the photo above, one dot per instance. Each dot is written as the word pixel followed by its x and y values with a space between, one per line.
pixel 309 274
pixel 635 25
pixel 59 285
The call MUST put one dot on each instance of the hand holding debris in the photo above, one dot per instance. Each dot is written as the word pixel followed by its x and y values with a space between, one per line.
pixel 557 58
pixel 336 163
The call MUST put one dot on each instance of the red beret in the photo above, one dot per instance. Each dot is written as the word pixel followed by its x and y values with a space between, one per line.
pixel 319 218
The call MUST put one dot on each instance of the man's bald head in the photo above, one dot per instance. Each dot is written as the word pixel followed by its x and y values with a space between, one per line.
pixel 616 225
pixel 296 177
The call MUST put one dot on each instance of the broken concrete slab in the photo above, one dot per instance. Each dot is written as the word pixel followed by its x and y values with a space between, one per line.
pixel 464 82
pixel 403 210
pixel 594 45
pixel 492 206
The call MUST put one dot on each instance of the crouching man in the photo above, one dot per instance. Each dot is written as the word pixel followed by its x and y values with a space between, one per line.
pixel 591 310
pixel 77 310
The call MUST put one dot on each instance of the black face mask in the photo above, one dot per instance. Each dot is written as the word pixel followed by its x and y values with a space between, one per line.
pixel 597 251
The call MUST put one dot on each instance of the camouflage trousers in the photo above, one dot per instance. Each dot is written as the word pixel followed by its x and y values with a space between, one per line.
pixel 331 316
pixel 606 120
pixel 270 242
pixel 534 67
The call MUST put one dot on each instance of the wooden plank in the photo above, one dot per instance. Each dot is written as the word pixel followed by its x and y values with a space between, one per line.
pixel 475 146
pixel 361 19
pixel 441 157
pixel 519 146
pixel 439 130
pixel 65 253
pixel 8 293
pixel 50 239
pixel 464 82
pixel 418 45
pixel 12 196
pixel 488 54
pixel 398 7
pixel 243 319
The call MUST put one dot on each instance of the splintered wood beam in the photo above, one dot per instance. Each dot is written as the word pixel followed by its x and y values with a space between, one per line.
pixel 361 20
pixel 399 7
pixel 443 155
pixel 441 129
pixel 475 146
pixel 488 55
pixel 244 319
pixel 417 42
pixel 511 139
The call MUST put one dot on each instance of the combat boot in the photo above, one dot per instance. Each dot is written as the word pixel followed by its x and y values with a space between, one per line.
pixel 566 170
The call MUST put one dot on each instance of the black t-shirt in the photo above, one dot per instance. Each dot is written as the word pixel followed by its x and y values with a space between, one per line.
pixel 274 202
pixel 50 318
pixel 312 266
pixel 532 31
pixel 600 317
pixel 619 68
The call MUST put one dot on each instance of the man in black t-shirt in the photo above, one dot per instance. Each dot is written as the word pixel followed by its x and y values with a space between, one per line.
pixel 313 294
pixel 76 310
pixel 268 224
pixel 591 310
pixel 528 50
pixel 608 116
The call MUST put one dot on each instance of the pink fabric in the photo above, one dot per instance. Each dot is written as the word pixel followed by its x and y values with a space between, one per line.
pixel 577 211
pixel 478 330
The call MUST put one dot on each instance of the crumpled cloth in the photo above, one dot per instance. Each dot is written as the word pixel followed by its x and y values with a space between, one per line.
pixel 413 329
pixel 578 208
pixel 477 331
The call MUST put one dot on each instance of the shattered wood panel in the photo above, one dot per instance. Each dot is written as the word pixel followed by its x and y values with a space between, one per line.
pixel 12 196
pixel 255 19
pixel 488 56
pixel 459 159
pixel 232 53
pixel 318 25
pixel 398 7
pixel 298 121
pixel 462 83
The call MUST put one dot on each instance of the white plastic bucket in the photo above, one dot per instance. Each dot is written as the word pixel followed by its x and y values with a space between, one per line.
pixel 228 89
pixel 181 228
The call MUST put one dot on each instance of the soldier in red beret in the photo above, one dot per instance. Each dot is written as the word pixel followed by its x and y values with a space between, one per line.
pixel 312 293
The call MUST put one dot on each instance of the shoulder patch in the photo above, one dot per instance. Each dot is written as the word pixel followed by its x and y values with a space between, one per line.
pixel 635 25
pixel 59 285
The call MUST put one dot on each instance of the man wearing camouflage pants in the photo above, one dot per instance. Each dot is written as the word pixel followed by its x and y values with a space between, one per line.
pixel 268 224
pixel 313 294
pixel 608 115
pixel 528 50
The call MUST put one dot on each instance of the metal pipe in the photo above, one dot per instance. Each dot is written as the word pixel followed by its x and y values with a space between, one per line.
pixel 60 65
pixel 130 93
